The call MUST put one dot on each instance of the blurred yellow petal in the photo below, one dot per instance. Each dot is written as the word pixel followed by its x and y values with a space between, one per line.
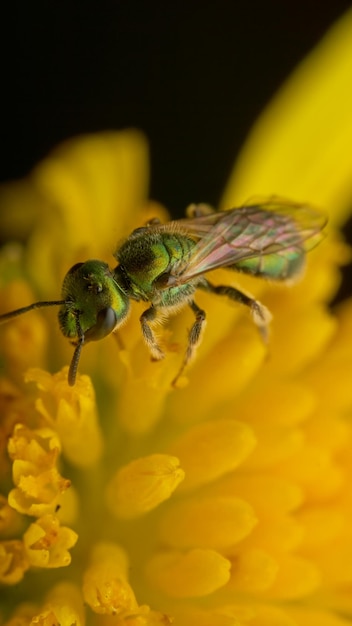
pixel 64 607
pixel 196 573
pixel 183 524
pixel 13 562
pixel 143 484
pixel 277 534
pixel 266 493
pixel 316 617
pixel 207 451
pixel 271 616
pixel 10 521
pixel 321 526
pixel 296 578
pixel 73 412
pixel 105 586
pixel 253 571
pixel 240 354
pixel 91 183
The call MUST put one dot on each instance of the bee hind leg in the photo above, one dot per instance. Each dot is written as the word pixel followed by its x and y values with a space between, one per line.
pixel 260 314
pixel 194 337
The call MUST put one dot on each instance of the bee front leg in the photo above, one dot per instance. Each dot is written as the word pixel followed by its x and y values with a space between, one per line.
pixel 148 317
pixel 193 337
pixel 260 314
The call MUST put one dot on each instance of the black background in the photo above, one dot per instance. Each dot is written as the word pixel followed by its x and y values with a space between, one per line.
pixel 193 76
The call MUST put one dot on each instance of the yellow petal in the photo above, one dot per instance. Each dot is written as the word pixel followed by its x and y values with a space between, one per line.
pixel 143 484
pixel 142 396
pixel 229 367
pixel 266 615
pixel 207 451
pixel 105 586
pixel 274 444
pixel 321 527
pixel 316 470
pixel 23 340
pixel 220 615
pixel 296 578
pixel 13 562
pixel 316 617
pixel 73 413
pixel 65 602
pixel 47 543
pixel 268 494
pixel 196 573
pixel 278 534
pixel 38 482
pixel 207 522
pixel 10 521
pixel 253 571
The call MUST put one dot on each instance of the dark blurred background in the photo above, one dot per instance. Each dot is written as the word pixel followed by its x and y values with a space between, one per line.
pixel 193 76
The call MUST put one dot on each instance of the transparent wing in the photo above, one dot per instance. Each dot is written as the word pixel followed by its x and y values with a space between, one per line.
pixel 269 239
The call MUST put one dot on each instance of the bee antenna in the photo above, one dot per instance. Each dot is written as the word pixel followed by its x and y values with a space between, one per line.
pixel 72 372
pixel 25 309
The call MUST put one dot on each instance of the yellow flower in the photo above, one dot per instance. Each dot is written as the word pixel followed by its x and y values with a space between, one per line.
pixel 222 503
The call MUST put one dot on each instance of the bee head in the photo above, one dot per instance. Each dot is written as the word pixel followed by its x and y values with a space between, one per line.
pixel 94 304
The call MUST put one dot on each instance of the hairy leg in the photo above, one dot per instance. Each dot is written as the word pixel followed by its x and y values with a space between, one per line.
pixel 148 317
pixel 260 314
pixel 194 337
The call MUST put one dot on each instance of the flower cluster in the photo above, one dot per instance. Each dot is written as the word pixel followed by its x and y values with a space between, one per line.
pixel 227 501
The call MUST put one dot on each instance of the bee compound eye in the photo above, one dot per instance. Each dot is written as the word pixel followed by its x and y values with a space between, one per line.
pixel 105 324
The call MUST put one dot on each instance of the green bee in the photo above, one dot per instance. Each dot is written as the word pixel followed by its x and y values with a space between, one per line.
pixel 164 265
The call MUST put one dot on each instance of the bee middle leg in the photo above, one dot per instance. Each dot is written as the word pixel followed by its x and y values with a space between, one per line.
pixel 260 314
pixel 193 337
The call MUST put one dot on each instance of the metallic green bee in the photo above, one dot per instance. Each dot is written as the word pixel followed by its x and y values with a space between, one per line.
pixel 164 264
